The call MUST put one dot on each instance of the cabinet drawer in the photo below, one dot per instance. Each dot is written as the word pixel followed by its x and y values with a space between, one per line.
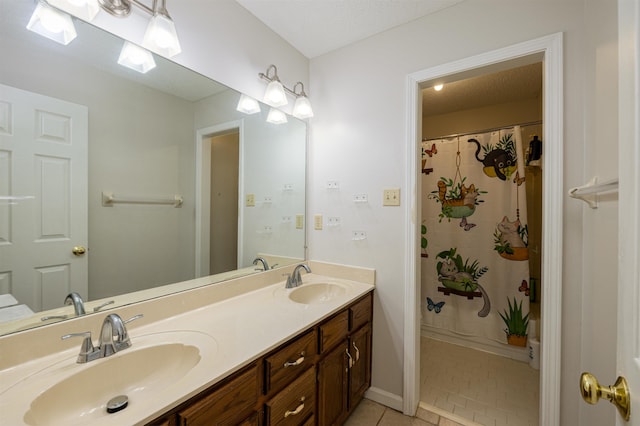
pixel 295 403
pixel 287 363
pixel 334 331
pixel 227 405
pixel 361 313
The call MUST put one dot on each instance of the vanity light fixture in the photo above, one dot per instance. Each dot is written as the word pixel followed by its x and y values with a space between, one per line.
pixel 160 36
pixel 438 87
pixel 302 107
pixel 52 24
pixel 276 116
pixel 276 94
pixel 136 58
pixel 248 105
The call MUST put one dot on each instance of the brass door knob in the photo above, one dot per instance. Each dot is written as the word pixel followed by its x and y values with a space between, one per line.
pixel 79 250
pixel 618 394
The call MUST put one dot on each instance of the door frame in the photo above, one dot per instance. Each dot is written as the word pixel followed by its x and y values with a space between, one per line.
pixel 552 214
pixel 628 325
pixel 203 192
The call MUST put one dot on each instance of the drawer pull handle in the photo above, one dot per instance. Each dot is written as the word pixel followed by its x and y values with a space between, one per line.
pixel 350 357
pixel 296 411
pixel 296 362
pixel 357 351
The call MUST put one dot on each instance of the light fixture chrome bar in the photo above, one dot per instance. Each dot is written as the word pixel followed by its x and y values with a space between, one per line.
pixel 122 8
pixel 275 95
pixel 265 76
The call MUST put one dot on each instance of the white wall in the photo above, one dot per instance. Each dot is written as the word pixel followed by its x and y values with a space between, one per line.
pixel 359 138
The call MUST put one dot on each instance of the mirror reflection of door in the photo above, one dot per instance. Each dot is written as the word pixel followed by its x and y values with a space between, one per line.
pixel 224 202
pixel 43 189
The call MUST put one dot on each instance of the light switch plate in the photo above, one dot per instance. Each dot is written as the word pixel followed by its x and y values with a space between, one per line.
pixel 317 222
pixel 299 221
pixel 250 200
pixel 391 197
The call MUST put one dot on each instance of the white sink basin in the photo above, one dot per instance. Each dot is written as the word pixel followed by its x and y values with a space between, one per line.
pixel 313 293
pixel 156 367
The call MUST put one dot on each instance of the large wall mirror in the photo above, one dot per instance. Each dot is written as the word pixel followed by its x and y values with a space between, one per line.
pixel 123 186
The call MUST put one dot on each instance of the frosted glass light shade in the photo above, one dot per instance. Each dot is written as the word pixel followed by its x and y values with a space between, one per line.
pixel 161 36
pixel 274 95
pixel 52 24
pixel 276 116
pixel 248 105
pixel 83 9
pixel 302 108
pixel 136 58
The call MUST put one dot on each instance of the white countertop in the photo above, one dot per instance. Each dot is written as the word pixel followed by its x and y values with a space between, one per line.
pixel 241 328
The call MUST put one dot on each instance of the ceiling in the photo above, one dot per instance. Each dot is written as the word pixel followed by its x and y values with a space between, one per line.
pixel 315 27
pixel 498 87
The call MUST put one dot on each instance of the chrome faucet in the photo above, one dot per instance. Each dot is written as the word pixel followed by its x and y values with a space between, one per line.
pixel 265 265
pixel 74 299
pixel 294 280
pixel 113 338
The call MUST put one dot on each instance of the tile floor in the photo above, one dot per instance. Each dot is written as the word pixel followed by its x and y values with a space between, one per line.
pixel 369 413
pixel 485 388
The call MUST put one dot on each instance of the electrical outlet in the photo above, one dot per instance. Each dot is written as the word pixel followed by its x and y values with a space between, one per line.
pixel 299 221
pixel 391 197
pixel 333 184
pixel 360 198
pixel 250 200
pixel 317 222
pixel 358 235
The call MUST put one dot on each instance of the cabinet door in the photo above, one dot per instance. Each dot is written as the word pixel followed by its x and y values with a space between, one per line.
pixel 227 405
pixel 333 373
pixel 360 372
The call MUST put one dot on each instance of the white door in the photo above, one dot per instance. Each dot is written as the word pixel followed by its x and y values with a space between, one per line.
pixel 628 359
pixel 43 198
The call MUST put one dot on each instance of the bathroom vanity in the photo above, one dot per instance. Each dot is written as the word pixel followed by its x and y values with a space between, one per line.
pixel 244 352
pixel 317 377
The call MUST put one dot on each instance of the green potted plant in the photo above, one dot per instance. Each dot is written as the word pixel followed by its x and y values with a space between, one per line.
pixel 516 324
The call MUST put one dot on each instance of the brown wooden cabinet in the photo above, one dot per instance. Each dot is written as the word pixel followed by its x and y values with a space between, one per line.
pixel 344 372
pixel 315 379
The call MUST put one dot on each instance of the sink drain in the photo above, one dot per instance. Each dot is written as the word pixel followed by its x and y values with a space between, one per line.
pixel 117 403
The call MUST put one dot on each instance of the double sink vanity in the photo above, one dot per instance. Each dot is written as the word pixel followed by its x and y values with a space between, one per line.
pixel 248 351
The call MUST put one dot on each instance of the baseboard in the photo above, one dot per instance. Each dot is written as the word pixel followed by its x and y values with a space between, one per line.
pixel 513 352
pixel 385 398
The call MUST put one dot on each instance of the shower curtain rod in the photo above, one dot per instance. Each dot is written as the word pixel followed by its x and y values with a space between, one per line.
pixel 529 123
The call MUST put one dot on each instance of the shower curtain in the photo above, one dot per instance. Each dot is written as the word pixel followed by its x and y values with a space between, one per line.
pixel 475 273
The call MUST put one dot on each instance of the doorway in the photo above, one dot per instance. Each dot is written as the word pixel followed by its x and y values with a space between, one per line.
pixel 549 50
pixel 476 134
pixel 223 240
pixel 219 183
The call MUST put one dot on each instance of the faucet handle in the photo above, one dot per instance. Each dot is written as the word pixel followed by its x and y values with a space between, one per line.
pixel 87 351
pixel 289 283
pixel 97 308
pixel 133 318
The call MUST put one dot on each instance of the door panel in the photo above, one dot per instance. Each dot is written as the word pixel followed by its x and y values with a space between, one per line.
pixel 43 182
